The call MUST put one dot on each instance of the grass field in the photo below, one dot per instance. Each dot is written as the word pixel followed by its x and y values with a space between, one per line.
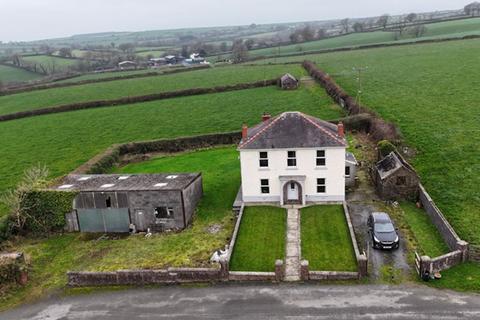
pixel 103 75
pixel 465 277
pixel 260 240
pixel 52 258
pixel 458 28
pixel 154 53
pixel 51 63
pixel 326 242
pixel 430 92
pixel 64 141
pixel 13 74
pixel 141 86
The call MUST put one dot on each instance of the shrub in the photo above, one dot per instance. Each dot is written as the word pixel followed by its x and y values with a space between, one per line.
pixel 46 209
pixel 385 147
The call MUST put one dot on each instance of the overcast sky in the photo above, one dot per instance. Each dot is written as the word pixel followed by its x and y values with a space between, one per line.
pixel 40 19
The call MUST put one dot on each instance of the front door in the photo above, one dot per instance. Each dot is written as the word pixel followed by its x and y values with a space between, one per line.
pixel 292 193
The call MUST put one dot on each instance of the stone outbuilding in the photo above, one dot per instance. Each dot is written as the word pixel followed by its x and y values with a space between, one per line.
pixel 288 82
pixel 122 202
pixel 395 178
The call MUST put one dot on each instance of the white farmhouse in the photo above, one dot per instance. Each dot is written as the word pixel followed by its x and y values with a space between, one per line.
pixel 293 158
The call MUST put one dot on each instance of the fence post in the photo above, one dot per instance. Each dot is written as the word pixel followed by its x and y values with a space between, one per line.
pixel 279 270
pixel 425 265
pixel 304 270
pixel 224 269
pixel 362 266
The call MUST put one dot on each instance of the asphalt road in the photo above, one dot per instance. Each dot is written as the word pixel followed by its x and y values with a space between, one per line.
pixel 286 301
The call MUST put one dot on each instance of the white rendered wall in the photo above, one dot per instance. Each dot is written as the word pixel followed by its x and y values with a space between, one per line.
pixel 333 172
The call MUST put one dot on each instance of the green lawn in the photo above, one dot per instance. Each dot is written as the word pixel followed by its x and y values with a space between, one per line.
pixel 428 238
pixel 141 86
pixel 13 74
pixel 326 242
pixel 260 240
pixel 52 258
pixel 458 28
pixel 66 140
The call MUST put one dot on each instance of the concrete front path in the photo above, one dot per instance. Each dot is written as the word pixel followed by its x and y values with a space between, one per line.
pixel 292 263
pixel 251 302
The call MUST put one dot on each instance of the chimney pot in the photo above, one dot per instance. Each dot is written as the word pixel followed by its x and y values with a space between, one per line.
pixel 266 116
pixel 244 131
pixel 341 130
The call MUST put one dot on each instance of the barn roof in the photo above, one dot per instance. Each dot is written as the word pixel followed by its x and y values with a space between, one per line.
pixel 390 164
pixel 288 76
pixel 125 182
pixel 292 130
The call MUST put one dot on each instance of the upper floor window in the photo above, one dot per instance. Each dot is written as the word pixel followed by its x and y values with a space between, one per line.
pixel 321 160
pixel 263 159
pixel 291 158
pixel 264 186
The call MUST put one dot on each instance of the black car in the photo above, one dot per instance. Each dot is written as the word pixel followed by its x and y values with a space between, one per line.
pixel 383 233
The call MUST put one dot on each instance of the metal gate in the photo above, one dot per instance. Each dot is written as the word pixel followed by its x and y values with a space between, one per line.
pixel 103 220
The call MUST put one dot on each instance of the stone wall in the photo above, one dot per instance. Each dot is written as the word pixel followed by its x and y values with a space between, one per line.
pixel 474 253
pixel 251 276
pixel 362 259
pixel 446 231
pixel 333 275
pixel 144 277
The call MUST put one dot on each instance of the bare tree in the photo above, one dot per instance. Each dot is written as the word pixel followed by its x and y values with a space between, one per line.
pixel 126 47
pixel 358 27
pixel 33 178
pixel 249 43
pixel 345 25
pixel 239 51
pixel 383 21
pixel 418 30
pixel 472 9
pixel 321 33
pixel 411 17
pixel 65 52
pixel 295 37
pixel 307 33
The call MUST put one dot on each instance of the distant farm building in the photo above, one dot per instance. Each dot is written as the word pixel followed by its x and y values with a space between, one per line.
pixel 395 178
pixel 127 64
pixel 288 82
pixel 122 203
pixel 156 62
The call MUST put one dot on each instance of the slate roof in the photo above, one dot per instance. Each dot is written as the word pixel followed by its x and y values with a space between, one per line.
pixel 390 164
pixel 349 157
pixel 125 182
pixel 292 130
pixel 288 76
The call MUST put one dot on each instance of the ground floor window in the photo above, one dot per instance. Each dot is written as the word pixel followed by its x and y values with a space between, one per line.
pixel 321 187
pixel 264 186
pixel 164 213
pixel 347 172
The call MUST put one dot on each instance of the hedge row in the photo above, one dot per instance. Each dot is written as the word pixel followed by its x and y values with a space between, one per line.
pixel 362 47
pixel 105 161
pixel 378 128
pixel 53 84
pixel 136 99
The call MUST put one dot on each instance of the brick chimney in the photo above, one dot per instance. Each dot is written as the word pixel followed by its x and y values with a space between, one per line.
pixel 341 130
pixel 244 131
pixel 266 116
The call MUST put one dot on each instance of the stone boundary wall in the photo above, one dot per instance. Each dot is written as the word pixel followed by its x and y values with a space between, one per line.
pixel 362 259
pixel 56 84
pixel 333 275
pixel 446 231
pixel 474 253
pixel 251 276
pixel 145 277
pixel 459 249
pixel 136 99
pixel 235 233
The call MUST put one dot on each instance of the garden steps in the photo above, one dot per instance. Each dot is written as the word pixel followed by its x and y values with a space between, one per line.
pixel 292 263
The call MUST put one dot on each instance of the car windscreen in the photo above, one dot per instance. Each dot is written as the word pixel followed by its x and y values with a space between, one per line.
pixel 384 227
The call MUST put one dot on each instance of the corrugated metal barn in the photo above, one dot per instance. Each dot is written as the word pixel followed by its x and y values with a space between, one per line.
pixel 120 203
